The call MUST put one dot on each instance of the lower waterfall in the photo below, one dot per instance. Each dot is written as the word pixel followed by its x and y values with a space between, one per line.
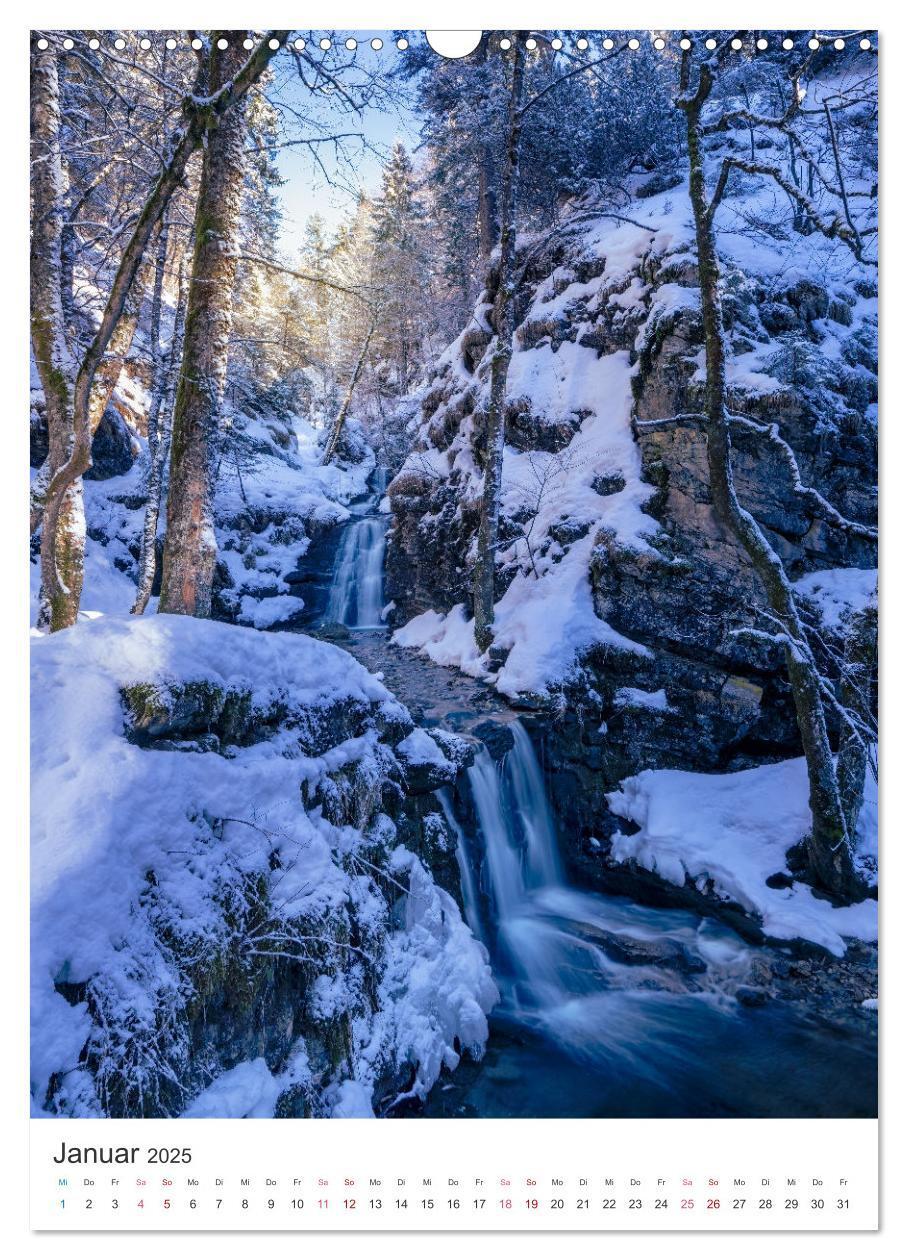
pixel 574 966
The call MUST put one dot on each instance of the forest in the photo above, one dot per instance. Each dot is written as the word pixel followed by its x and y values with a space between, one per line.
pixel 453 565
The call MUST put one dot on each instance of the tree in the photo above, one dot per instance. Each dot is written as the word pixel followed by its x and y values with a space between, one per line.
pixel 400 268
pixel 190 548
pixel 70 415
pixel 166 367
pixel 833 808
pixel 49 340
pixel 503 322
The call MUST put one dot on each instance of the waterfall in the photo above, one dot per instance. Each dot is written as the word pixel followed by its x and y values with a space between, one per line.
pixel 356 598
pixel 553 945
pixel 357 584
pixel 468 887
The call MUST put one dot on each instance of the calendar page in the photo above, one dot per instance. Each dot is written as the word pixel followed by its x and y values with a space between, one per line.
pixel 454 630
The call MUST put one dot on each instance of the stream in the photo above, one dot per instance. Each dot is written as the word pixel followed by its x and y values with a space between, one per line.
pixel 607 1007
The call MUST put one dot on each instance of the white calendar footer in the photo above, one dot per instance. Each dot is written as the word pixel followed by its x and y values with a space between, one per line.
pixel 454 1174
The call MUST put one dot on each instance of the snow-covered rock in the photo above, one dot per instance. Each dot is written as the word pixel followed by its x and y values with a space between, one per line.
pixel 224 919
pixel 728 834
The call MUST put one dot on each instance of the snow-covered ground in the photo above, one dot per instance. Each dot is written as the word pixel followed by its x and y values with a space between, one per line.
pixel 731 832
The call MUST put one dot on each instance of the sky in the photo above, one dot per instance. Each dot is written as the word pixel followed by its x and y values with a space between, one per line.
pixel 352 166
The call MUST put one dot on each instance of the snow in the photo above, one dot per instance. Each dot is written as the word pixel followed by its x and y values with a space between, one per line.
pixel 267 612
pixel 102 821
pixel 733 832
pixel 839 592
pixel 634 698
pixel 449 987
pixel 447 639
pixel 420 749
pixel 248 1090
pixel 546 619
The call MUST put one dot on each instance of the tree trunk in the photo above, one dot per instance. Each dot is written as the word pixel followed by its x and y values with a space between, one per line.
pixel 488 208
pixel 160 420
pixel 338 428
pixel 59 602
pixel 190 547
pixel 855 688
pixel 503 319
pixel 828 846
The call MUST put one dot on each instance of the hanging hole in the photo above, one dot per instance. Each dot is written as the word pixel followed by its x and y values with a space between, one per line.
pixel 608 43
pixel 737 44
pixel 350 44
pixel 222 44
pixel 144 44
pixel 531 44
pixel 119 44
pixel 686 44
pixel 68 44
pixel 788 44
pixel 504 45
pixel 583 44
pixel 762 44
pixel 839 45
pixel 866 45
pixel 172 43
pixel 813 43
pixel 274 44
pixel 43 44
pixel 451 44
pixel 377 43
pixel 659 43
pixel 94 44
pixel 197 44
pixel 298 44
pixel 710 44
pixel 557 44
pixel 403 44
pixel 633 44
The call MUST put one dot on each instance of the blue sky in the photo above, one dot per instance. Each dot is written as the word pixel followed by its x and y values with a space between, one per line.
pixel 357 167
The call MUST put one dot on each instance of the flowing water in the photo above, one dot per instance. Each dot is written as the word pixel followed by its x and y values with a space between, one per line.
pixel 596 975
pixel 613 1008
pixel 356 597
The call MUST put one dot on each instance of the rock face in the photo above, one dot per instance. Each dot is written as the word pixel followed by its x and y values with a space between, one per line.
pixel 114 448
pixel 698 695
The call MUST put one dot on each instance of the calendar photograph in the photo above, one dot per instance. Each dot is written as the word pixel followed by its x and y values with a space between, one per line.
pixel 453 571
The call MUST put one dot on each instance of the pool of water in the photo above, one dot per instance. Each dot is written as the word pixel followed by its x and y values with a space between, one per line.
pixel 705 1063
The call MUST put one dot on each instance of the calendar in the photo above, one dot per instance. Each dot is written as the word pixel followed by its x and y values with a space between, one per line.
pixel 621 1175
pixel 453 629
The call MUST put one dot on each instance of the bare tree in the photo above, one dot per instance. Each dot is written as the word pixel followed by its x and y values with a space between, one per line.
pixel 830 844
pixel 48 331
pixel 190 548
pixel 54 500
pixel 337 428
pixel 503 322
pixel 160 424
